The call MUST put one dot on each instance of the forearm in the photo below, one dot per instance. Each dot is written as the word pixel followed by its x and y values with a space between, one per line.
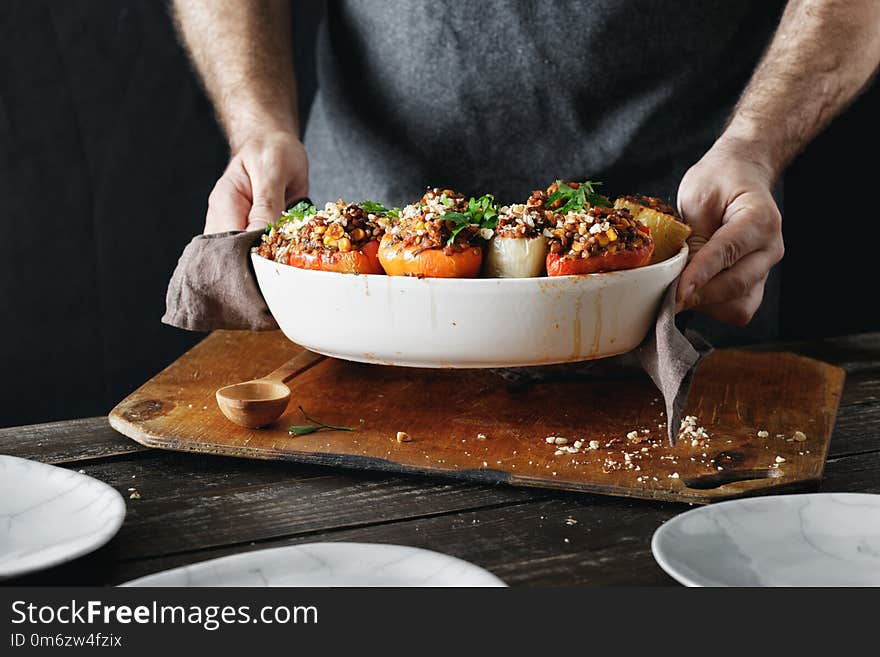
pixel 823 54
pixel 242 52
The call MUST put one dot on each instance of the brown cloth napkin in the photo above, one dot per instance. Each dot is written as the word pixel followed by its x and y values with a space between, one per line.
pixel 214 287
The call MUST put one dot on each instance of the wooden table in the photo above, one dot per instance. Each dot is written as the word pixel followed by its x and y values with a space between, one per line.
pixel 193 507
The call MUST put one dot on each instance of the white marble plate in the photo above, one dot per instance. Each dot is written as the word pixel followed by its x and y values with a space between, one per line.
pixel 820 539
pixel 328 564
pixel 50 515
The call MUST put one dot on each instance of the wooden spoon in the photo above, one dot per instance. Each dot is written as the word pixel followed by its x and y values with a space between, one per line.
pixel 256 403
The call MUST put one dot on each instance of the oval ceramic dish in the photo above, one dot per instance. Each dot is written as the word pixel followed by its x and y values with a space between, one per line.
pixel 482 322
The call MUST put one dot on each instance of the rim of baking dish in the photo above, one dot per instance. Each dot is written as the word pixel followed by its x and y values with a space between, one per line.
pixel 534 280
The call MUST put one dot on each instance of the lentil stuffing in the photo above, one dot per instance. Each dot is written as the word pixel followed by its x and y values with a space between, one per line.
pixel 338 227
pixel 421 224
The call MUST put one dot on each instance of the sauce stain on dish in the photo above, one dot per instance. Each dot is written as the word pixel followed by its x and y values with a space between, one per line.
pixel 597 327
pixel 578 308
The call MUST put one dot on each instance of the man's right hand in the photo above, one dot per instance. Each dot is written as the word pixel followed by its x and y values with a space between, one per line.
pixel 265 174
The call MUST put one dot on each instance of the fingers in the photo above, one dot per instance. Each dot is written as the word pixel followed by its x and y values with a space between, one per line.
pixel 228 205
pixel 699 203
pixel 739 311
pixel 730 243
pixel 269 202
pixel 737 235
pixel 259 180
pixel 734 283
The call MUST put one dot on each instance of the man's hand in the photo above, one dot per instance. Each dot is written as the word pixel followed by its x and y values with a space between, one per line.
pixel 264 175
pixel 823 53
pixel 737 233
pixel 254 94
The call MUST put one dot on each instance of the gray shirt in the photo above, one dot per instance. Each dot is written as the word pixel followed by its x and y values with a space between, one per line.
pixel 505 97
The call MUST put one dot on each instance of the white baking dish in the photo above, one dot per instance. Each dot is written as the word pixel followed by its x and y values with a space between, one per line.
pixel 486 322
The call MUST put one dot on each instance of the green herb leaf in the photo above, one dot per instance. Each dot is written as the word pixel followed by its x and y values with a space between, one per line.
pixel 299 211
pixel 481 212
pixel 373 207
pixel 302 429
pixel 305 429
pixel 576 200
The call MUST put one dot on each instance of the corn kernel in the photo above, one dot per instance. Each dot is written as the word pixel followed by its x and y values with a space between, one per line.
pixel 344 244
pixel 357 235
pixel 612 235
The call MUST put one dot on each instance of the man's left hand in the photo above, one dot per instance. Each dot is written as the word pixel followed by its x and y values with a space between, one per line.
pixel 726 199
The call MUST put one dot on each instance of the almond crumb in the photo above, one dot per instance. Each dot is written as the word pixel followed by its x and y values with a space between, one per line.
pixel 403 437
pixel 763 434
pixel 481 436
pixel 799 436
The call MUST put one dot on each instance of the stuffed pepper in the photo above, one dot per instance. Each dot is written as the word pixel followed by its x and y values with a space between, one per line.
pixel 518 248
pixel 341 237
pixel 440 236
pixel 598 239
pixel 661 219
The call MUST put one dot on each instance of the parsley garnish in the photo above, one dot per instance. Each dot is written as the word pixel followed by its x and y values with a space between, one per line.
pixel 576 200
pixel 299 212
pixel 305 429
pixel 373 207
pixel 480 212
pixel 378 208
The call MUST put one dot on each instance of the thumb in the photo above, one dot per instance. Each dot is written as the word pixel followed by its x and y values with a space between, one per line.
pixel 700 207
pixel 268 202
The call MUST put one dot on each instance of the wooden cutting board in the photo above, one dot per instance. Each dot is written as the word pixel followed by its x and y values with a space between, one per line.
pixel 735 395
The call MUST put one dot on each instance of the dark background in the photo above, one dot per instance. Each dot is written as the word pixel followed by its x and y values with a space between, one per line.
pixel 108 150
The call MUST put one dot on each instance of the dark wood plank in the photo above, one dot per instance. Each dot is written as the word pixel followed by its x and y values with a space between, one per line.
pixel 524 542
pixel 70 441
pixel 859 473
pixel 191 502
pixel 857 429
pixel 851 352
